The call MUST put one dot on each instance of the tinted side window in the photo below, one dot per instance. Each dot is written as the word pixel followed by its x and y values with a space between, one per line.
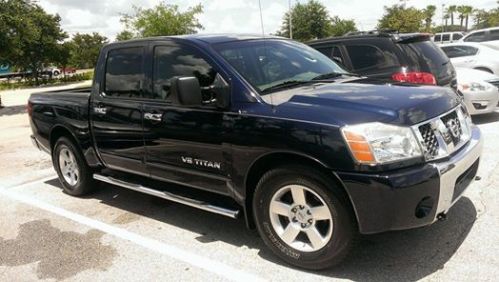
pixel 457 36
pixel 369 57
pixel 176 60
pixel 125 72
pixel 446 37
pixel 494 34
pixel 437 38
pixel 459 51
pixel 476 37
pixel 326 51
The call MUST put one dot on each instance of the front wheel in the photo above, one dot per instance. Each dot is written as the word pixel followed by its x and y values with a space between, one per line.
pixel 303 218
pixel 74 173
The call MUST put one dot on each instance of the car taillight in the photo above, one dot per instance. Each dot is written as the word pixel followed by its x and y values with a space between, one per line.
pixel 415 77
pixel 29 108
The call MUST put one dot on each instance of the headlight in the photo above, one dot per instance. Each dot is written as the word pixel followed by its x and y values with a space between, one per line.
pixel 474 86
pixel 377 143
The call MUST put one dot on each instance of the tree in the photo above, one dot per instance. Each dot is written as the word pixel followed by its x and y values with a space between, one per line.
pixel 85 49
pixel 63 56
pixel 163 19
pixel 310 21
pixel 450 11
pixel 480 17
pixel 29 36
pixel 124 35
pixel 429 13
pixel 340 27
pixel 401 19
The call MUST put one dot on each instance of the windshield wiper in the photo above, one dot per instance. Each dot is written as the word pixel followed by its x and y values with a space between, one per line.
pixel 285 84
pixel 333 75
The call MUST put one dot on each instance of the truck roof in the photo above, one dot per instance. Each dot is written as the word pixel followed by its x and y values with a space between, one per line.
pixel 210 38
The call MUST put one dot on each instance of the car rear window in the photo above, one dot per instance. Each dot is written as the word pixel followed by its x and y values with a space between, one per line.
pixel 429 57
pixel 370 57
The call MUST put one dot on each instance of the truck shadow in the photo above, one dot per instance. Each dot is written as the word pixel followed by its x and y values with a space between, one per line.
pixel 12 110
pixel 486 118
pixel 400 255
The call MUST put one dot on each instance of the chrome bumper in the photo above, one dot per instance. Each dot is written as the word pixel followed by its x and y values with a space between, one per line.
pixel 452 169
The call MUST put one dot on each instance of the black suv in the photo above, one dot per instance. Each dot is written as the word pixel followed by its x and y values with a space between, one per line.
pixel 409 57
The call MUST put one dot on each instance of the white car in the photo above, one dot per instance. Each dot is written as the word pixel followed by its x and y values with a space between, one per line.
pixel 487 36
pixel 473 56
pixel 447 37
pixel 480 90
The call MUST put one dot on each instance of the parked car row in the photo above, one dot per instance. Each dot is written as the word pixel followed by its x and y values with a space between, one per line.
pixel 414 58
pixel 488 37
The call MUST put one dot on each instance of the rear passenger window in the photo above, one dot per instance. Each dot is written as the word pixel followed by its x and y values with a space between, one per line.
pixel 368 57
pixel 476 37
pixel 437 38
pixel 494 34
pixel 446 37
pixel 459 51
pixel 457 36
pixel 124 72
pixel 176 60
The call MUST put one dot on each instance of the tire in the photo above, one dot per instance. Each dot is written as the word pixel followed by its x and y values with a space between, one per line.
pixel 274 221
pixel 74 173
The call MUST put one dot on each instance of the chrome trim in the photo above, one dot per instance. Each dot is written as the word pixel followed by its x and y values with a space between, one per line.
pixel 453 168
pixel 437 125
pixel 168 196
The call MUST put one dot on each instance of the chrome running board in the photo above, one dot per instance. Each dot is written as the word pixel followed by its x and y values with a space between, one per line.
pixel 168 196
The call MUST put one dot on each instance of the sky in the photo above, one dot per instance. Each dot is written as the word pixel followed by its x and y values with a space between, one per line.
pixel 229 16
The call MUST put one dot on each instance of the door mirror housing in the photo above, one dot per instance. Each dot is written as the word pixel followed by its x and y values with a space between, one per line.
pixel 186 91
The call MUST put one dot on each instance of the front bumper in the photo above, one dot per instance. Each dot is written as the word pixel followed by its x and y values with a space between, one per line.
pixel 412 197
pixel 481 102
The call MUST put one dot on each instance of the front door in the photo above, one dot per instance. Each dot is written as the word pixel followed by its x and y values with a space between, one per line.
pixel 116 111
pixel 185 144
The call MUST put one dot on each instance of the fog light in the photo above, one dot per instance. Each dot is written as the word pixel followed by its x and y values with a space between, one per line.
pixel 480 105
pixel 424 207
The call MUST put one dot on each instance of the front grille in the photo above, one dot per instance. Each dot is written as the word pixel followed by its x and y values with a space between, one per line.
pixel 494 82
pixel 443 135
pixel 429 139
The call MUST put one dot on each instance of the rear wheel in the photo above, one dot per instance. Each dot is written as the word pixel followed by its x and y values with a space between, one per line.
pixel 74 174
pixel 303 218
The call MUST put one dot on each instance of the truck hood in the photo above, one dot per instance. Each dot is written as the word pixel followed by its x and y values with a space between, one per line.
pixel 353 101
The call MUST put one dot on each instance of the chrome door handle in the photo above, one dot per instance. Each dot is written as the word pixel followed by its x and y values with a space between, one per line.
pixel 153 117
pixel 100 110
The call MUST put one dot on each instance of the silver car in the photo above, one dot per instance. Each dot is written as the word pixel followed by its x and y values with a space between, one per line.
pixel 480 89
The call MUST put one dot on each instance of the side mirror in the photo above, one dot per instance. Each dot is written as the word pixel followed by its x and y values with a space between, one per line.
pixel 186 91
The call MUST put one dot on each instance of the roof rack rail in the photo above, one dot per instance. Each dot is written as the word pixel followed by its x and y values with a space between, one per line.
pixel 372 32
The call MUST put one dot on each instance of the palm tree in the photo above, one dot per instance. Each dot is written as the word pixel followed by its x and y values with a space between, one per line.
pixel 446 18
pixel 479 16
pixel 461 11
pixel 429 13
pixel 450 11
pixel 468 11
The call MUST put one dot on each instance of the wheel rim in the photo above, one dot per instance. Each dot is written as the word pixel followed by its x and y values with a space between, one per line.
pixel 301 218
pixel 69 166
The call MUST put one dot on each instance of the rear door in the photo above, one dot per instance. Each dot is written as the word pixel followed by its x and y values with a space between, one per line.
pixel 116 110
pixel 185 144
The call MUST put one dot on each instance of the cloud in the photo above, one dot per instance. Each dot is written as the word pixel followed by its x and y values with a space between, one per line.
pixel 238 16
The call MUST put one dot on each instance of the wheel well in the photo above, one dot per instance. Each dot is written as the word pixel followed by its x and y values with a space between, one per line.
pixel 59 132
pixel 266 163
pixel 484 69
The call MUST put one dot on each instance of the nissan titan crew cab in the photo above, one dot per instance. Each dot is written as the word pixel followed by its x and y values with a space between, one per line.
pixel 264 128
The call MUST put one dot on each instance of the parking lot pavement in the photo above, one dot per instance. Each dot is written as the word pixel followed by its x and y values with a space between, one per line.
pixel 117 234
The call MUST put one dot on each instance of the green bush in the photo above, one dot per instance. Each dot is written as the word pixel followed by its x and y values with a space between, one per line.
pixel 28 83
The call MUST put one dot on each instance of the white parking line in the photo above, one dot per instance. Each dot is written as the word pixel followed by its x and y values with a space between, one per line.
pixel 172 251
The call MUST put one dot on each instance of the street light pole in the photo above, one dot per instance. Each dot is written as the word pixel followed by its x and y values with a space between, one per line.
pixel 290 20
pixel 443 17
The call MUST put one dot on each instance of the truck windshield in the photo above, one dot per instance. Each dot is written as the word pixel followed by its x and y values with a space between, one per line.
pixel 271 65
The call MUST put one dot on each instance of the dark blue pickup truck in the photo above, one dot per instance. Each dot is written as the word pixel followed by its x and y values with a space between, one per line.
pixel 267 128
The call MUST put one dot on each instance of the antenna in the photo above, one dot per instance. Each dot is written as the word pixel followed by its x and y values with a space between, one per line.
pixel 261 17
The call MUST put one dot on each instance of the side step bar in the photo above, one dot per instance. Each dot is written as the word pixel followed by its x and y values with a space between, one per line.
pixel 168 196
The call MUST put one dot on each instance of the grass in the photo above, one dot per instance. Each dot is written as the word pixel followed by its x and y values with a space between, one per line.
pixel 30 83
